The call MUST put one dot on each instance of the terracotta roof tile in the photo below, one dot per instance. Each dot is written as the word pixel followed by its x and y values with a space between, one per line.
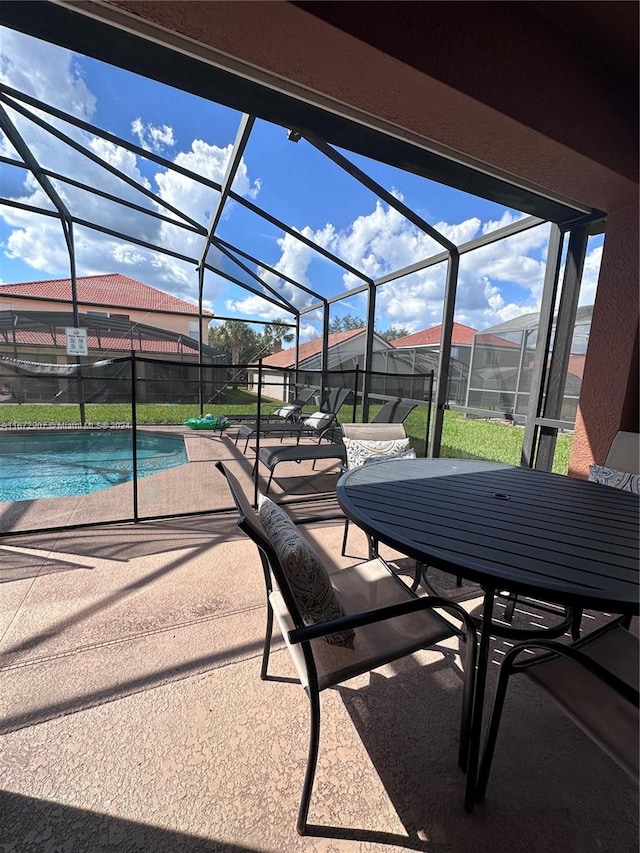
pixel 112 291
pixel 429 337
pixel 287 357
pixel 25 337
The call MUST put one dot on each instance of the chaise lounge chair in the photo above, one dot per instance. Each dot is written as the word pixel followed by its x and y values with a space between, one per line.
pixel 319 423
pixel 287 412
pixel 387 424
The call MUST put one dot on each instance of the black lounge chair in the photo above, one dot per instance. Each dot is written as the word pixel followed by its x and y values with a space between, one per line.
pixel 393 412
pixel 272 456
pixel 320 423
pixel 287 412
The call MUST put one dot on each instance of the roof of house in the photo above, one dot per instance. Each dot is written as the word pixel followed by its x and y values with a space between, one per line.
pixel 428 337
pixel 111 343
pixel 287 357
pixel 111 291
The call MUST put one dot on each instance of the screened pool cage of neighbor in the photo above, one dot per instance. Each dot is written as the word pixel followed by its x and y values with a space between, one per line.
pixel 140 371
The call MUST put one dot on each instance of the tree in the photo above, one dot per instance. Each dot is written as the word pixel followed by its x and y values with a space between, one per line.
pixel 346 323
pixel 237 340
pixel 394 333
pixel 274 334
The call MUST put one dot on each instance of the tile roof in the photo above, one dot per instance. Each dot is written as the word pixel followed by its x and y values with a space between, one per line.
pixel 287 357
pixel 112 291
pixel 112 343
pixel 428 337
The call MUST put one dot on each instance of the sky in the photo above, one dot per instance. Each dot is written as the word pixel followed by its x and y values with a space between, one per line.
pixel 293 182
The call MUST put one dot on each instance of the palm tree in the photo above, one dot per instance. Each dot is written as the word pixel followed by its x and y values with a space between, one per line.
pixel 275 333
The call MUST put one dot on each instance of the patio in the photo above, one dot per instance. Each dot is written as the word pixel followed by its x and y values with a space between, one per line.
pixel 134 716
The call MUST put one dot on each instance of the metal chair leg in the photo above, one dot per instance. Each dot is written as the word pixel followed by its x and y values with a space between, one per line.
pixel 312 760
pixel 510 608
pixel 492 734
pixel 264 674
pixel 344 537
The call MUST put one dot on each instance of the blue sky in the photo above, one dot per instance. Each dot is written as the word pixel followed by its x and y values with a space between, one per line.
pixel 292 181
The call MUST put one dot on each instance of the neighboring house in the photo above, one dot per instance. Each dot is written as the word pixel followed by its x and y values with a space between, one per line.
pixel 428 341
pixel 345 352
pixel 120 315
pixel 502 362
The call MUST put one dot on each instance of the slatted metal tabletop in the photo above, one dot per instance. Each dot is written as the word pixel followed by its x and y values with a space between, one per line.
pixel 529 531
pixel 558 538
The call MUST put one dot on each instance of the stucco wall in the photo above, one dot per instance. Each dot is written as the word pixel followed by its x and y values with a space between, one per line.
pixel 610 383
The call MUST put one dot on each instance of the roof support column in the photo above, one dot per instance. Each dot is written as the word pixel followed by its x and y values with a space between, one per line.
pixel 448 309
pixel 324 362
pixel 543 341
pixel 200 351
pixel 562 341
pixel 67 227
pixel 368 352
pixel 524 344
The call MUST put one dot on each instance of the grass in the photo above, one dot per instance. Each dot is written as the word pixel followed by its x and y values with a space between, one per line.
pixel 462 438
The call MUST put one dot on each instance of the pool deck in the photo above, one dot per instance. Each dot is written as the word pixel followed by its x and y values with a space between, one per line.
pixel 133 715
pixel 183 489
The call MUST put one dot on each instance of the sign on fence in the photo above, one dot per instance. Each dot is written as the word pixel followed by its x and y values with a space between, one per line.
pixel 77 342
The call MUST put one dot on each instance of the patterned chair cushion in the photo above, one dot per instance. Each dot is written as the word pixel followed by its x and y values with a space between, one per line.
pixel 310 584
pixel 360 450
pixel 617 479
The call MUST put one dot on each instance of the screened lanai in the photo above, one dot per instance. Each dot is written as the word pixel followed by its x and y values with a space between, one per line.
pixel 244 250
pixel 501 360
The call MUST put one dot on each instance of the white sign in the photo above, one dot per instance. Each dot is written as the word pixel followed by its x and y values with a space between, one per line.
pixel 77 342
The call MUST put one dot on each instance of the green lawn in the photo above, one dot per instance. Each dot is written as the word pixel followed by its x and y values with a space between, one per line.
pixel 462 437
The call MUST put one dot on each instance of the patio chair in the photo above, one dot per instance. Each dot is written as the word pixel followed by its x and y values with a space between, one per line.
pixel 366 443
pixel 320 423
pixel 595 683
pixel 620 470
pixel 393 412
pixel 345 623
pixel 287 412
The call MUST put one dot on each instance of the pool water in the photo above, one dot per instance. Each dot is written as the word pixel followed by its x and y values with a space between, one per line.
pixel 80 462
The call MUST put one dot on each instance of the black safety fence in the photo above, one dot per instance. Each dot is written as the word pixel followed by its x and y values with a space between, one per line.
pixel 135 438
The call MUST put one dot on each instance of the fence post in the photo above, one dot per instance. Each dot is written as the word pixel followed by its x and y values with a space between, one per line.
pixel 355 393
pixel 428 427
pixel 134 432
pixel 256 473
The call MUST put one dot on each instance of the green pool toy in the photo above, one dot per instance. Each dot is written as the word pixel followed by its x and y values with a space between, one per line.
pixel 208 422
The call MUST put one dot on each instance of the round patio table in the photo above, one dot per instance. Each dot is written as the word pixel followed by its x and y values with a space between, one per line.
pixel 560 539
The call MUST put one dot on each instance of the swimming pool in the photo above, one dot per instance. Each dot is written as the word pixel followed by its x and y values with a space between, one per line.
pixel 77 462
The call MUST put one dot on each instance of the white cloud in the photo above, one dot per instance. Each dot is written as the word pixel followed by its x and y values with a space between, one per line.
pixel 46 72
pixel 383 241
pixel 590 276
pixel 496 282
pixel 52 74
pixel 156 138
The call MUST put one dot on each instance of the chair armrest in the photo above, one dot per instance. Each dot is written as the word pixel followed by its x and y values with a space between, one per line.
pixel 554 649
pixel 368 617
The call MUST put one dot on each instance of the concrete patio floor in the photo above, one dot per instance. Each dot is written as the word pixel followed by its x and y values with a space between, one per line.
pixel 134 718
